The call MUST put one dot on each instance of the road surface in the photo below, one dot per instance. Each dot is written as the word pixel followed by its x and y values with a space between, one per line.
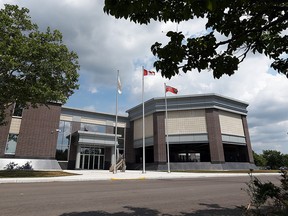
pixel 198 196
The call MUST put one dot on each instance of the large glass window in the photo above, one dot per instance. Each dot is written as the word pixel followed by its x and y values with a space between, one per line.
pixel 11 144
pixel 63 141
pixel 17 110
pixel 120 131
pixel 93 128
pixel 91 157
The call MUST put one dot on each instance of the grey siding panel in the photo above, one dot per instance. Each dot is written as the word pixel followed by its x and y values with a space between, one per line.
pixel 191 138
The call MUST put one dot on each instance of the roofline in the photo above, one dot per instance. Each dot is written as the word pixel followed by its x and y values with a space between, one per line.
pixel 93 112
pixel 189 96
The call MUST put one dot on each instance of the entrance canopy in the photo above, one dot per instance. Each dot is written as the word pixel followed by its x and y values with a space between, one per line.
pixel 94 138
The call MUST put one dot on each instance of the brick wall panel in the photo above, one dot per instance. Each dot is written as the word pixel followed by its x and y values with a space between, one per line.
pixel 247 138
pixel 38 136
pixel 129 147
pixel 214 136
pixel 159 137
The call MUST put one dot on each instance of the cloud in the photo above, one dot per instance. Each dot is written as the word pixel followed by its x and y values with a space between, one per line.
pixel 90 108
pixel 105 45
pixel 93 90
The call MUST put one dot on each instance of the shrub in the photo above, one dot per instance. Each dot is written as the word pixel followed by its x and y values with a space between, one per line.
pixel 11 166
pixel 267 198
pixel 26 166
pixel 15 166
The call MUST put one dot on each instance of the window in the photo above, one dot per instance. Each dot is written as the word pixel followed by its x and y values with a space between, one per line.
pixel 120 131
pixel 63 141
pixel 17 110
pixel 11 144
pixel 93 128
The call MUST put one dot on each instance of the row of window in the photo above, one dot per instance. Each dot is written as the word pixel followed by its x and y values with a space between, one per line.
pixel 12 138
pixel 64 137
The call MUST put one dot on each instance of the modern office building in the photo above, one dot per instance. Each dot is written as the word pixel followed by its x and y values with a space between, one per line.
pixel 203 131
pixel 206 131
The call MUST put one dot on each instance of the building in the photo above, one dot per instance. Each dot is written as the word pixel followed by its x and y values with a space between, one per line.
pixel 92 138
pixel 206 131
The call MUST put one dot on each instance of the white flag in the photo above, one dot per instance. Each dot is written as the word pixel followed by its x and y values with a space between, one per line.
pixel 119 86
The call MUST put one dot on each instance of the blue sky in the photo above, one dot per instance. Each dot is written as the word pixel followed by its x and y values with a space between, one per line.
pixel 105 45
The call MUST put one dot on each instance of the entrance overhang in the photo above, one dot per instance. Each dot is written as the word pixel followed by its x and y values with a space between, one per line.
pixel 95 138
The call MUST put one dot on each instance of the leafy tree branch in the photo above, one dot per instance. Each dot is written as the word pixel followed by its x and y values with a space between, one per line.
pixel 35 67
pixel 249 26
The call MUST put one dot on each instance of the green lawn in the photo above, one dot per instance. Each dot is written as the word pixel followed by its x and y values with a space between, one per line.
pixel 31 173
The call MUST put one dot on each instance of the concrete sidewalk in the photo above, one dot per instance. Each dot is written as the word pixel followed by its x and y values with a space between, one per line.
pixel 96 175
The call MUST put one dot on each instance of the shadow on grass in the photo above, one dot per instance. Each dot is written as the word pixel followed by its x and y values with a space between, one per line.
pixel 211 209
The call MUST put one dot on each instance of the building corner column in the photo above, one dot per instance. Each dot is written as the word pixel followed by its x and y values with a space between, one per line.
pixel 247 138
pixel 159 138
pixel 214 136
pixel 77 165
pixel 129 144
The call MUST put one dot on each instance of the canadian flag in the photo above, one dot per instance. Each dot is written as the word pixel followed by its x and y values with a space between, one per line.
pixel 171 89
pixel 146 72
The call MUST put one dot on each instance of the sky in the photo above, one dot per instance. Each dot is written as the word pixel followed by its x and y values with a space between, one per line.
pixel 105 44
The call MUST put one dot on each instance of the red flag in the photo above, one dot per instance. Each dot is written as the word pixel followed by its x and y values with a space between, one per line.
pixel 146 72
pixel 171 89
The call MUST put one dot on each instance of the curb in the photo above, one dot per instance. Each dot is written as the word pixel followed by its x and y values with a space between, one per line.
pixel 119 179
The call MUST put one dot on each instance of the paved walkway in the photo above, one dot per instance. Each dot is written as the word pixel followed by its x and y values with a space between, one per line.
pixel 95 175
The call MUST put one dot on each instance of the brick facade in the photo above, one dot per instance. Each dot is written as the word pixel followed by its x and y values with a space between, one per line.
pixel 159 137
pixel 129 148
pixel 198 131
pixel 247 137
pixel 38 136
pixel 73 146
pixel 214 136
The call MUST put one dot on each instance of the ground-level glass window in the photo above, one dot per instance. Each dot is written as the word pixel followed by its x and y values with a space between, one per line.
pixel 18 110
pixel 63 141
pixel 91 157
pixel 11 144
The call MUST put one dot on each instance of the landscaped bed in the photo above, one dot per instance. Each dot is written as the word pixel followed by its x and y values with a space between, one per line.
pixel 31 173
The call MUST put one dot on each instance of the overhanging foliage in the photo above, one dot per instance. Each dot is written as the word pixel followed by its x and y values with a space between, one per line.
pixel 248 26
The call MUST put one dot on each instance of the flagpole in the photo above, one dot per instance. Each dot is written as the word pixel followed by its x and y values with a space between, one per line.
pixel 143 123
pixel 167 136
pixel 116 123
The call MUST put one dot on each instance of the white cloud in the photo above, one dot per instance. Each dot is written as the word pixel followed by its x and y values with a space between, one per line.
pixel 90 108
pixel 93 90
pixel 105 45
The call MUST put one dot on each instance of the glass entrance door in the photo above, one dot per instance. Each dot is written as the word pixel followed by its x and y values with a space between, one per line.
pixel 98 162
pixel 91 158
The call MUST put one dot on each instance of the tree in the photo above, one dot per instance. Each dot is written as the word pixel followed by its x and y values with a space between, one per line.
pixel 246 25
pixel 259 159
pixel 285 160
pixel 35 67
pixel 274 159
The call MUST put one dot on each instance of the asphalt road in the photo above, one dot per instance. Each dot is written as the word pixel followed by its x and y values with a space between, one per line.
pixel 198 196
